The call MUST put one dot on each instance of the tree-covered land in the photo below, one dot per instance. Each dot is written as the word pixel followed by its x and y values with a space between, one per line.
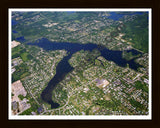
pixel 137 30
pixel 21 72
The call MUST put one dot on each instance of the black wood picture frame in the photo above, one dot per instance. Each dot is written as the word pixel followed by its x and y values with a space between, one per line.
pixel 153 4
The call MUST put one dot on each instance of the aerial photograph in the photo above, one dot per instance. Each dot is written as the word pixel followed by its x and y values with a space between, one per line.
pixel 79 63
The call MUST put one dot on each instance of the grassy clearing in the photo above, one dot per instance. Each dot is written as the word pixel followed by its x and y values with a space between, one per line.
pixel 24 56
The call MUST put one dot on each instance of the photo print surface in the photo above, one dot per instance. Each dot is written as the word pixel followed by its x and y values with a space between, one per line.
pixel 79 63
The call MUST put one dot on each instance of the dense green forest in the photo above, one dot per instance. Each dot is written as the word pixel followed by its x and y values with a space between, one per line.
pixel 20 73
pixel 140 85
pixel 137 30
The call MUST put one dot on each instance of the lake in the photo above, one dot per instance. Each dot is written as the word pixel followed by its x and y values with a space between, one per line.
pixel 14 31
pixel 14 22
pixel 116 16
pixel 63 67
pixel 21 39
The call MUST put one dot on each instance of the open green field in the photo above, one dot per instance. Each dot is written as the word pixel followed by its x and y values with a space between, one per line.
pixel 25 56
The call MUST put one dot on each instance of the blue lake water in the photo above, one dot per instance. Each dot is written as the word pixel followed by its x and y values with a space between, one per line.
pixel 14 22
pixel 71 12
pixel 116 16
pixel 14 31
pixel 21 39
pixel 63 67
